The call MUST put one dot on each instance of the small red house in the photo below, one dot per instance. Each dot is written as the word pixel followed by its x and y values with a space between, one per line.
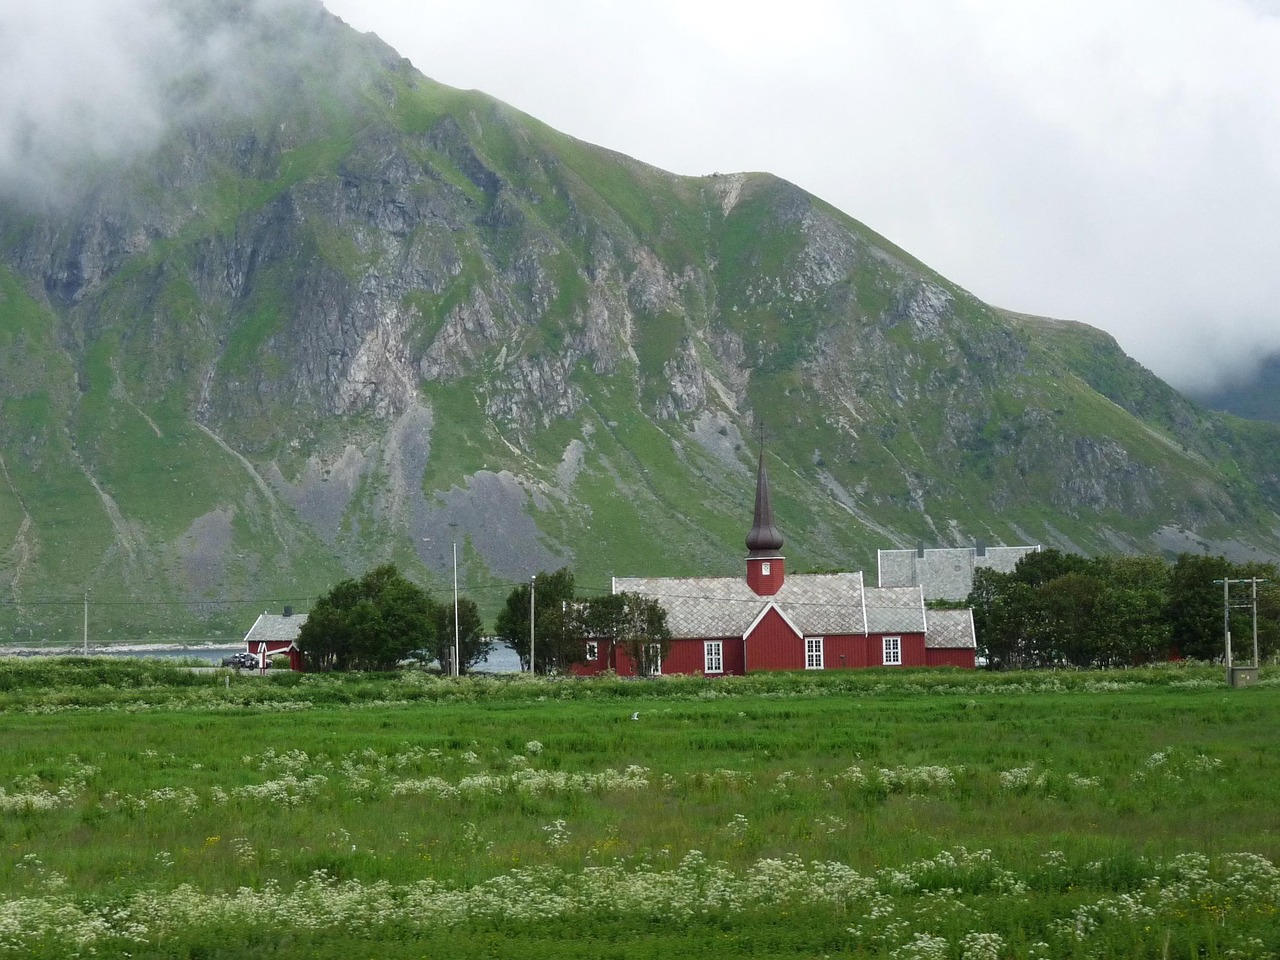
pixel 274 634
pixel 768 621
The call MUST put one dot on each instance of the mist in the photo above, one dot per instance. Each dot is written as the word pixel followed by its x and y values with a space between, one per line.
pixel 93 83
pixel 82 80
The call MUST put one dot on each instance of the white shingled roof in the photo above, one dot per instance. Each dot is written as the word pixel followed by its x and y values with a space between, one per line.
pixel 895 610
pixel 817 604
pixel 273 628
pixel 946 573
pixel 950 630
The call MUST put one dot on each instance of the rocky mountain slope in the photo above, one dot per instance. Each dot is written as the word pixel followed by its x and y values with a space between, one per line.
pixel 361 316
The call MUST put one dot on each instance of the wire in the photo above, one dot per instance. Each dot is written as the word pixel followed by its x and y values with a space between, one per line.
pixel 80 601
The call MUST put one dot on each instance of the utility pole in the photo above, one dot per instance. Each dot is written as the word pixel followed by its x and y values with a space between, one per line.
pixel 456 664
pixel 533 669
pixel 1226 622
pixel 1226 616
pixel 1254 581
pixel 86 623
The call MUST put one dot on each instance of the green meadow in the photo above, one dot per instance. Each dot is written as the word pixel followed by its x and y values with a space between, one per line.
pixel 151 811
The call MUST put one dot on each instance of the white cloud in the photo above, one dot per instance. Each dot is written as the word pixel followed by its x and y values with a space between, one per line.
pixel 103 79
pixel 76 78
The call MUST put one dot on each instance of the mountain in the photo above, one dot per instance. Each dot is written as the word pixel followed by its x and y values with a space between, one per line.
pixel 1256 397
pixel 352 315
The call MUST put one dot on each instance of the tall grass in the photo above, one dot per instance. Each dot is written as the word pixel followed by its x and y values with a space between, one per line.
pixel 161 812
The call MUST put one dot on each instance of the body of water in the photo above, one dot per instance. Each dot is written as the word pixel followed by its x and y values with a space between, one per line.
pixel 212 655
pixel 502 660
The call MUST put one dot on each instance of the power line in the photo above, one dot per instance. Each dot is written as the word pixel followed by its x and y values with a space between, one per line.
pixel 76 601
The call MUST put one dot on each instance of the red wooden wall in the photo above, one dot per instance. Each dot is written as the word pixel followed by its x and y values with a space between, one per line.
pixel 689 656
pixel 773 645
pixel 950 658
pixel 589 668
pixel 913 650
pixel 856 651
pixel 735 656
pixel 275 648
pixel 683 657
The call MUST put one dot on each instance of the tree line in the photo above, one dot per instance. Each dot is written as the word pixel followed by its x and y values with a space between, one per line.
pixel 1063 610
pixel 1053 610
pixel 383 619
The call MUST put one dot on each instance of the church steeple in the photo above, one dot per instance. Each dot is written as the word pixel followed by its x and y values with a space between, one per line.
pixel 764 561
pixel 764 540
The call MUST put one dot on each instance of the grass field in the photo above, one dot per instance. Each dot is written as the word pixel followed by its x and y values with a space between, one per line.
pixel 148 811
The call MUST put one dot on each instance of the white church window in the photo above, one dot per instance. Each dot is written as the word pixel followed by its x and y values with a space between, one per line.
pixel 893 651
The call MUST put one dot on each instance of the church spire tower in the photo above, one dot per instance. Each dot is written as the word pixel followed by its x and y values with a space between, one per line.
pixel 764 543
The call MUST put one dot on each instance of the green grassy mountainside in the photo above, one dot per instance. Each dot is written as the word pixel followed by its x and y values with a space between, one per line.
pixel 361 316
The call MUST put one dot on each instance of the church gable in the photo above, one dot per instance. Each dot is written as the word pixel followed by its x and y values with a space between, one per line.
pixel 771 613
pixel 773 642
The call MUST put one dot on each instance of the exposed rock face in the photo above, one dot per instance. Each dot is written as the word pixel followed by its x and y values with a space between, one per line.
pixel 532 392
pixel 926 309
pixel 467 331
pixel 687 377
pixel 373 314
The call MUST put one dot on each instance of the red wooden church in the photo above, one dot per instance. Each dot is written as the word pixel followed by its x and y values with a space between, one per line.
pixel 768 621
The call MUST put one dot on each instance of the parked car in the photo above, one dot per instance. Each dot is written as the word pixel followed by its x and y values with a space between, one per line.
pixel 245 660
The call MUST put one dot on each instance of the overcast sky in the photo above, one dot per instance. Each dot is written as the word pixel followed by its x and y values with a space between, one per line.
pixel 1111 161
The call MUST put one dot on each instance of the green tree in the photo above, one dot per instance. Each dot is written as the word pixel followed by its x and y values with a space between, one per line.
pixel 1037 569
pixel 552 593
pixel 368 624
pixel 595 619
pixel 631 622
pixel 638 625
pixel 1003 613
pixel 473 646
pixel 1068 630
pixel 1194 606
pixel 1059 609
pixel 1062 609
pixel 1131 620
pixel 1268 609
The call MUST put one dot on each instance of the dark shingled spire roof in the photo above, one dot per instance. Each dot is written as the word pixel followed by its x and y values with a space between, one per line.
pixel 764 540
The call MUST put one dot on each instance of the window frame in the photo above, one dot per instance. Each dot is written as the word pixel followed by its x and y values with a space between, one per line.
pixel 713 651
pixel 891 645
pixel 814 656
pixel 655 651
pixel 593 651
